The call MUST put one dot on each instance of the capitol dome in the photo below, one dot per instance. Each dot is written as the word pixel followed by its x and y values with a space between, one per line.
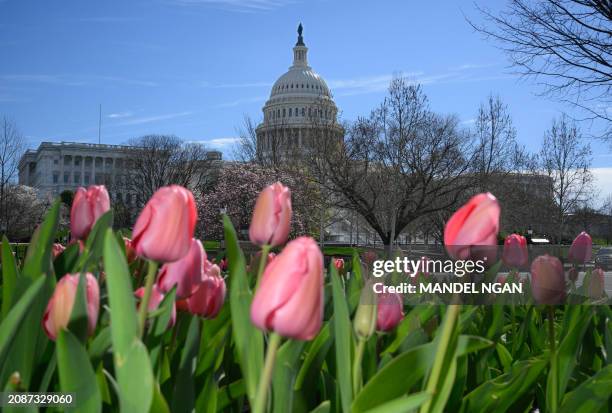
pixel 300 103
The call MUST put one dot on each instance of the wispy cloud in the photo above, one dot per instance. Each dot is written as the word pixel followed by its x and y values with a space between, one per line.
pixel 156 118
pixel 120 115
pixel 241 101
pixel 218 143
pixel 243 6
pixel 74 80
pixel 104 19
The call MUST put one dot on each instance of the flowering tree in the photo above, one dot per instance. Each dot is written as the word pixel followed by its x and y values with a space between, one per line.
pixel 236 191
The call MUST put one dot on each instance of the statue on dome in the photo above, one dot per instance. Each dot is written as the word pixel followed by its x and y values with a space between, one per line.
pixel 300 41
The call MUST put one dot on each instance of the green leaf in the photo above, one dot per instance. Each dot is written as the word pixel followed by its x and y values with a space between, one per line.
pixel 504 356
pixel 592 395
pixel 343 338
pixel 439 382
pixel 38 257
pixel 76 373
pixel 324 407
pixel 14 318
pixel 285 371
pixel 10 273
pixel 249 340
pixel 132 365
pixel 400 374
pixel 183 397
pixel 316 355
pixel 66 262
pixel 207 400
pixel 500 393
pixel 94 244
pixel 404 404
pixel 79 319
pixel 159 404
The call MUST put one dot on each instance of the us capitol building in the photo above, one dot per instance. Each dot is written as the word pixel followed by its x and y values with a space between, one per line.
pixel 300 108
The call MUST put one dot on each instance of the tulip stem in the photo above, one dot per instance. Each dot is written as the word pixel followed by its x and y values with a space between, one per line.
pixel 266 374
pixel 357 380
pixel 553 359
pixel 265 249
pixel 144 304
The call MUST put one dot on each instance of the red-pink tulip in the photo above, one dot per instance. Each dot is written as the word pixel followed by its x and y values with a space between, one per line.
pixel 87 206
pixel 59 308
pixel 596 284
pixel 57 249
pixel 289 299
pixel 208 298
pixel 186 273
pixel 515 251
pixel 165 227
pixel 474 225
pixel 157 297
pixel 581 248
pixel 339 264
pixel 390 311
pixel 271 220
pixel 547 280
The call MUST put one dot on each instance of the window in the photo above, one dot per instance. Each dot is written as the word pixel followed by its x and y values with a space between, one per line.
pixel 302 86
pixel 55 177
pixel 290 110
pixel 77 177
pixel 55 161
pixel 303 112
pixel 284 112
pixel 66 177
pixel 86 180
pixel 296 112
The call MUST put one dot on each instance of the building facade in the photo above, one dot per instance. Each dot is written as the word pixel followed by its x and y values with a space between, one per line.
pixel 58 166
pixel 299 109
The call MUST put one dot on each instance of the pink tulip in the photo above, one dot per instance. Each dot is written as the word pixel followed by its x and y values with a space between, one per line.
pixel 339 264
pixel 223 264
pixel 390 311
pixel 186 273
pixel 474 225
pixel 57 249
pixel 272 216
pixel 547 280
pixel 165 227
pixel 157 297
pixel 515 251
pixel 87 206
pixel 289 299
pixel 581 248
pixel 596 284
pixel 208 298
pixel 59 308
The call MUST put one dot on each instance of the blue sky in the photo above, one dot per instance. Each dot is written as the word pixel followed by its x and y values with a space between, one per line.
pixel 193 68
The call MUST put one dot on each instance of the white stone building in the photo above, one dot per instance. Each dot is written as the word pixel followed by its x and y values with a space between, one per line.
pixel 300 104
pixel 58 166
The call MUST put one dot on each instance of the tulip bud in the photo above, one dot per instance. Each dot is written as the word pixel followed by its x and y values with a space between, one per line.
pixel 581 249
pixel 289 299
pixel 473 226
pixel 87 206
pixel 157 297
pixel 59 309
pixel 207 300
pixel 364 322
pixel 57 249
pixel 390 311
pixel 515 251
pixel 130 253
pixel 572 274
pixel 339 264
pixel 271 220
pixel 165 227
pixel 186 273
pixel 547 280
pixel 596 284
